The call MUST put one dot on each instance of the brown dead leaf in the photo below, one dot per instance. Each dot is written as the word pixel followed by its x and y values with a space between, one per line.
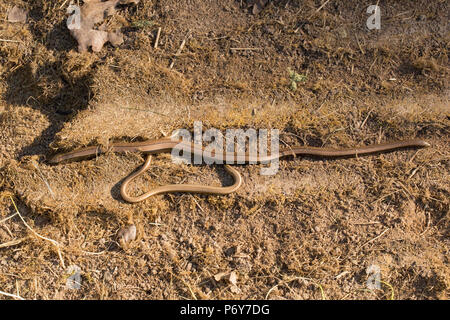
pixel 16 14
pixel 81 24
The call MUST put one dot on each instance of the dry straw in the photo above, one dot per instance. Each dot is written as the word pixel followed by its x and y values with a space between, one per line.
pixel 55 243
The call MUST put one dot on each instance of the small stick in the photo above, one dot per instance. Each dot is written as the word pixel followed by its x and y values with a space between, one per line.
pixel 156 224
pixel 11 295
pixel 243 49
pixel 157 38
pixel 323 5
pixel 320 8
pixel 413 173
pixel 9 231
pixel 11 243
pixel 6 219
pixel 378 236
pixel 178 53
pixel 359 45
pixel 365 223
pixel 181 47
pixel 364 122
pixel 7 40
pixel 217 38
pixel 43 179
pixel 94 253
pixel 17 288
pixel 65 1
pixel 198 204
pixel 55 243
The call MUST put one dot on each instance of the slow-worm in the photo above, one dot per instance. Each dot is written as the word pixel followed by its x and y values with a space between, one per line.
pixel 167 145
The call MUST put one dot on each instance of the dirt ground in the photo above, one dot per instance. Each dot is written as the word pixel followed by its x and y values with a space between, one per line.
pixel 318 229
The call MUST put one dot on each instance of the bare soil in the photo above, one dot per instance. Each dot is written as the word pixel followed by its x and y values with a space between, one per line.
pixel 310 232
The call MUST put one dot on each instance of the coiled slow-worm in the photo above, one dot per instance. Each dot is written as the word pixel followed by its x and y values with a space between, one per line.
pixel 167 145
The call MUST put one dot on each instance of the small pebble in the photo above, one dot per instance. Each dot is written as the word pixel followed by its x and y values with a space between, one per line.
pixel 233 278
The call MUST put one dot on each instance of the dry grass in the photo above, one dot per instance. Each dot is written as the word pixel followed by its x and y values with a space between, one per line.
pixel 309 232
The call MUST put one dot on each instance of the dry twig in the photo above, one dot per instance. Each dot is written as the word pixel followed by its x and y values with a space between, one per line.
pixel 55 243
pixel 11 295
